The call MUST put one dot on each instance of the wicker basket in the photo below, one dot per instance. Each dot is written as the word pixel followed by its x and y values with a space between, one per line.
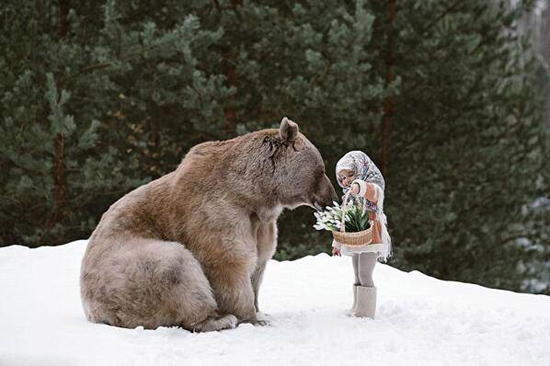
pixel 358 238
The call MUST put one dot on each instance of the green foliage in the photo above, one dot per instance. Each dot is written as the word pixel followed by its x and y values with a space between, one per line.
pixel 84 101
pixel 356 219
pixel 112 94
pixel 468 152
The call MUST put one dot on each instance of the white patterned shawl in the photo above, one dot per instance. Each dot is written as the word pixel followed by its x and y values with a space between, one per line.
pixel 363 166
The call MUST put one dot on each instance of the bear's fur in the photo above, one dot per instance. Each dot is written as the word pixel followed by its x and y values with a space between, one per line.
pixel 189 249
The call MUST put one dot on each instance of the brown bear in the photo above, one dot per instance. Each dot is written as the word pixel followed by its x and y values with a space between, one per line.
pixel 189 249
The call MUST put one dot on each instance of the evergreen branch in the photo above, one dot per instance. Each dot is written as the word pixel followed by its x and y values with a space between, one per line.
pixel 443 14
pixel 91 68
pixel 317 78
pixel 513 237
pixel 216 5
pixel 106 64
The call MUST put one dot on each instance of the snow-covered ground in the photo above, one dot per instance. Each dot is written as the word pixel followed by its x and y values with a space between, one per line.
pixel 420 320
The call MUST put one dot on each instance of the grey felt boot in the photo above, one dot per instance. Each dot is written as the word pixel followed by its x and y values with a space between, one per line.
pixel 352 310
pixel 366 302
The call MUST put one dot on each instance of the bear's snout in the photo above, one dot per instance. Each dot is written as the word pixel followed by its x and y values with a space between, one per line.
pixel 325 195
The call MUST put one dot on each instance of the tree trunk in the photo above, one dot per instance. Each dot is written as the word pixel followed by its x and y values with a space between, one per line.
pixel 60 181
pixel 389 100
pixel 229 71
pixel 229 110
pixel 59 178
pixel 64 6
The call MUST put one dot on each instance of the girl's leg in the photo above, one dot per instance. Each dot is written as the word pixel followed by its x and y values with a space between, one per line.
pixel 355 262
pixel 365 266
pixel 365 306
pixel 356 282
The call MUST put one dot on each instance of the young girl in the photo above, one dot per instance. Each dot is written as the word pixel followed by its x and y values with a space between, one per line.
pixel 356 173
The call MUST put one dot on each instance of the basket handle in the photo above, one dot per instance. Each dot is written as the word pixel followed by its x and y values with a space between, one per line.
pixel 342 224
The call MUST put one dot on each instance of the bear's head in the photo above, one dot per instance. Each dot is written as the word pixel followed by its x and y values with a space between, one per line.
pixel 298 171
pixel 266 170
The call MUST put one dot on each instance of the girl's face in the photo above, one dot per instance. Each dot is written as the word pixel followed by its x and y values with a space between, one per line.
pixel 347 176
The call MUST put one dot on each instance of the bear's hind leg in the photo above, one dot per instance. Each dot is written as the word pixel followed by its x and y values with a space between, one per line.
pixel 151 284
pixel 191 297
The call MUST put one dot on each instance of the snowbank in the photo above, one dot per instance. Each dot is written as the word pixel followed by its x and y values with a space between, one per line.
pixel 420 320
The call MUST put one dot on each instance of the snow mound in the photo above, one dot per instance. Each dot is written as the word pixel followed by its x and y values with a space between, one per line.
pixel 420 320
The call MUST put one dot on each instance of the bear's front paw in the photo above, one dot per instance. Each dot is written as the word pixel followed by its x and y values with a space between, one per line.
pixel 258 319
pixel 260 323
pixel 262 319
pixel 229 321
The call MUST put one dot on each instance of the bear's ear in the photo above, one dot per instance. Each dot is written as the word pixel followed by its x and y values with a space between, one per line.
pixel 288 130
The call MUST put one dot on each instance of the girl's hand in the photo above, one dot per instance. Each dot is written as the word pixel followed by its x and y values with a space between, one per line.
pixel 336 252
pixel 354 190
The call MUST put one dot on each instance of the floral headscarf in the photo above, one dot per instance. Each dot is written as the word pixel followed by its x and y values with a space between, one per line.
pixel 363 166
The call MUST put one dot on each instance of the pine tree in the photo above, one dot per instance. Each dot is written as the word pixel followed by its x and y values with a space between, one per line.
pixel 85 91
pixel 467 152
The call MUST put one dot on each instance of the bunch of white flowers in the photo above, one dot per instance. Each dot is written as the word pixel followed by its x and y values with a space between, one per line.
pixel 329 219
pixel 357 219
